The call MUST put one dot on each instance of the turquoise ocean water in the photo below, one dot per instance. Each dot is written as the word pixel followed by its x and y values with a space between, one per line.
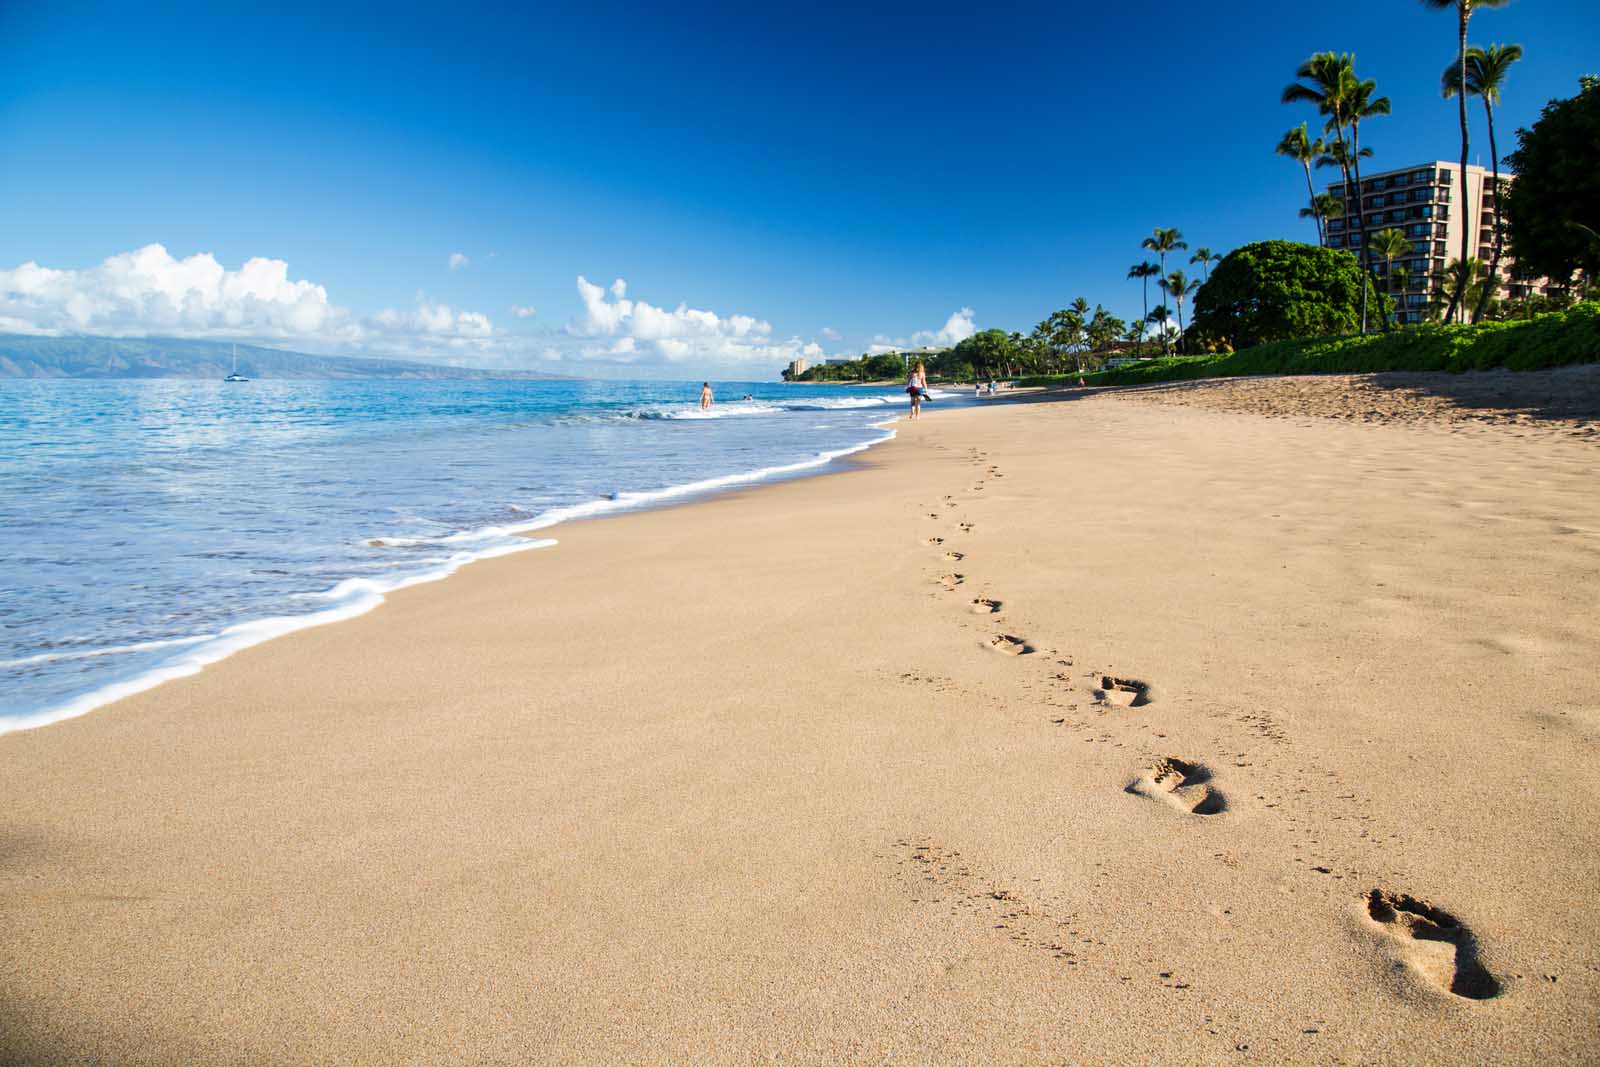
pixel 150 528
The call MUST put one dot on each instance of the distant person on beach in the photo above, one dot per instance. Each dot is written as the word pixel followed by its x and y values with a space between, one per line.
pixel 917 387
pixel 705 395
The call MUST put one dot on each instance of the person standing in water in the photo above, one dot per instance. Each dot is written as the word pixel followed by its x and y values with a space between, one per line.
pixel 705 395
pixel 917 387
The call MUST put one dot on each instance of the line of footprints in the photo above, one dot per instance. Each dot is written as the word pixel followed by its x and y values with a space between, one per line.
pixel 1430 941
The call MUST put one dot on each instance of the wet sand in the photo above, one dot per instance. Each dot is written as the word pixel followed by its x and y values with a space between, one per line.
pixel 1083 731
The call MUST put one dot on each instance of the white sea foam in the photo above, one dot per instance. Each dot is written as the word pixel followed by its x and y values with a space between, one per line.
pixel 351 597
pixel 357 596
pixel 112 650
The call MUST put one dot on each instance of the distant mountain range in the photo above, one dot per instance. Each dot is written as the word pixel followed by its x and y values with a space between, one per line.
pixel 24 356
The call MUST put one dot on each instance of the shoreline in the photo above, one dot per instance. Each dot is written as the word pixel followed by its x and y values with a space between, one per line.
pixel 358 596
pixel 754 776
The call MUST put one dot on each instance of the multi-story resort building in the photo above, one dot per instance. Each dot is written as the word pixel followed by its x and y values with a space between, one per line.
pixel 1422 202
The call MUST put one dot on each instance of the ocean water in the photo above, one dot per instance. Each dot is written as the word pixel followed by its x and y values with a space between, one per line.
pixel 150 528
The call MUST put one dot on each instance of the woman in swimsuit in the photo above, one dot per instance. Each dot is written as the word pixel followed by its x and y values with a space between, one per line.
pixel 917 387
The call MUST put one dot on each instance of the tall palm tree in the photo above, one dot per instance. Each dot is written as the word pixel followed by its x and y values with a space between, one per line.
pixel 1486 70
pixel 1299 146
pixel 1390 243
pixel 1464 10
pixel 1324 80
pixel 1161 242
pixel 1204 257
pixel 1178 286
pixel 1361 105
pixel 1144 272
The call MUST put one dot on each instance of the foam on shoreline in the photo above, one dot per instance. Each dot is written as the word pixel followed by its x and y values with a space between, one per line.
pixel 357 596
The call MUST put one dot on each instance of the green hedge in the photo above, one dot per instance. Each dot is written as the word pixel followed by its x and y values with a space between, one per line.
pixel 1550 340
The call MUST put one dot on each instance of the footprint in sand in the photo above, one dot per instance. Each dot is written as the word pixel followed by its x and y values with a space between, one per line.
pixel 955 557
pixel 984 606
pixel 966 527
pixel 1009 646
pixel 1434 943
pixel 934 541
pixel 1186 786
pixel 1124 692
pixel 950 581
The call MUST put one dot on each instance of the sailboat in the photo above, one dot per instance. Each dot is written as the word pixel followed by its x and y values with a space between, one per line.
pixel 236 376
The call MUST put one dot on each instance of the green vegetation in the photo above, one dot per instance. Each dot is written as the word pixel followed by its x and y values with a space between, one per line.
pixel 1276 307
pixel 1282 290
pixel 1549 340
pixel 1329 81
pixel 1553 209
pixel 885 366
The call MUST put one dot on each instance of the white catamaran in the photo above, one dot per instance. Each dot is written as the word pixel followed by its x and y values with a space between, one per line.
pixel 236 376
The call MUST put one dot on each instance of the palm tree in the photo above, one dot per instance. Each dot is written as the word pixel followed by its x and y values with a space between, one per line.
pixel 1144 272
pixel 1329 81
pixel 1361 106
pixel 1390 243
pixel 1135 335
pixel 1161 242
pixel 1323 206
pixel 1458 281
pixel 1463 10
pixel 1298 145
pixel 1177 285
pixel 1486 70
pixel 1158 317
pixel 1204 257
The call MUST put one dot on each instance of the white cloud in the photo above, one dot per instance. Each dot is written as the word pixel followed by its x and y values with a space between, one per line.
pixel 642 331
pixel 829 333
pixel 957 328
pixel 522 312
pixel 458 260
pixel 149 292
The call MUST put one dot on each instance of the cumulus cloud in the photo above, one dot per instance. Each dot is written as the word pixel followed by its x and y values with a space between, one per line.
pixel 149 292
pixel 458 260
pixel 829 333
pixel 957 328
pixel 634 330
pixel 522 312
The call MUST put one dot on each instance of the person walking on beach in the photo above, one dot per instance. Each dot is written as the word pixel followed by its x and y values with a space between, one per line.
pixel 705 395
pixel 917 387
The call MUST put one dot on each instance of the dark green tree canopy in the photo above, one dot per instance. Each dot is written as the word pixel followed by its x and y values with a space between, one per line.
pixel 1278 290
pixel 1557 191
pixel 988 351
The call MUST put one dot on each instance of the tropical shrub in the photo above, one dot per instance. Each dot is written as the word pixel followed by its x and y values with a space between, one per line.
pixel 1551 340
pixel 1281 290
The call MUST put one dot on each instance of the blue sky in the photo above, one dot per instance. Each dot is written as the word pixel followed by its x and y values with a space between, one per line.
pixel 827 177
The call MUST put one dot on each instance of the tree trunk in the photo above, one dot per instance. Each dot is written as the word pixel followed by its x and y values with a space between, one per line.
pixel 1182 341
pixel 1466 215
pixel 1311 190
pixel 1166 344
pixel 1146 281
pixel 1493 281
pixel 1361 221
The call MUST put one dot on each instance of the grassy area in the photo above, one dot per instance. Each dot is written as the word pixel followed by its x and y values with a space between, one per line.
pixel 1551 340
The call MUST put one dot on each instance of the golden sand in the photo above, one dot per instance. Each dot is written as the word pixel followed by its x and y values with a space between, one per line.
pixel 1091 731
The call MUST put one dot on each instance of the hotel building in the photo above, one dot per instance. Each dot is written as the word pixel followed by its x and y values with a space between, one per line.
pixel 1422 202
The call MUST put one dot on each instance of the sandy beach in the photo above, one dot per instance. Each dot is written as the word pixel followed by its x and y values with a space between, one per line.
pixel 1108 729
